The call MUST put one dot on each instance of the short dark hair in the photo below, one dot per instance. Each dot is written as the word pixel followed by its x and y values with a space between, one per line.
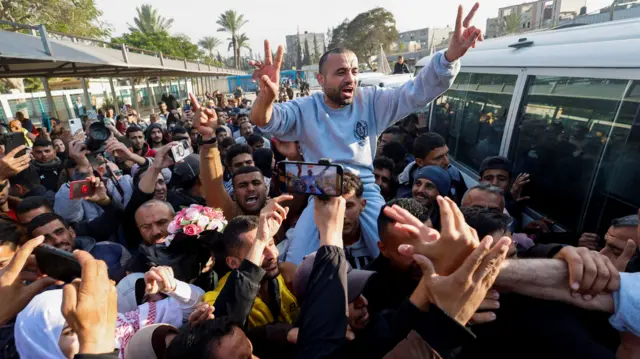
pixel 179 130
pixel 325 56
pixel 132 129
pixel 351 183
pixel 395 130
pixel 426 143
pixel 161 102
pixel 197 341
pixel 220 130
pixel 230 240
pixel 395 151
pixel 254 138
pixel 626 221
pixel 41 142
pixel 30 203
pixel 236 150
pixel 43 220
pixel 485 220
pixel 411 205
pixel 384 163
pixel 243 171
pixel 28 178
pixel 10 235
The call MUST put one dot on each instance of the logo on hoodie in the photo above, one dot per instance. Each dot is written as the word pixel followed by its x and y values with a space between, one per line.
pixel 361 131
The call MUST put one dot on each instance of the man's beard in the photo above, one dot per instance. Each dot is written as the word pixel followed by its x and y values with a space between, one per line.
pixel 335 95
pixel 271 273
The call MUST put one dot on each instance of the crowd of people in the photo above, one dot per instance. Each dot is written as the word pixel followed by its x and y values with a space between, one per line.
pixel 206 257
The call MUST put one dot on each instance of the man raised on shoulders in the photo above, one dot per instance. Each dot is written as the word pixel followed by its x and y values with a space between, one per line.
pixel 350 118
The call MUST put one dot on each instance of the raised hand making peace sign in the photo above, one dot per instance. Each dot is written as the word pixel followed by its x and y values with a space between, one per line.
pixel 268 73
pixel 464 36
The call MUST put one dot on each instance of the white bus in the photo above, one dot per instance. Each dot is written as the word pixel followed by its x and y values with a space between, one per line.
pixel 562 105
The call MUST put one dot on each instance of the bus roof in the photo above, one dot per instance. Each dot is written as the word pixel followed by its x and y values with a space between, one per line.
pixel 613 44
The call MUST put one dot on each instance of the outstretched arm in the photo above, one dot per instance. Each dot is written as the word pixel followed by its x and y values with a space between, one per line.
pixel 547 279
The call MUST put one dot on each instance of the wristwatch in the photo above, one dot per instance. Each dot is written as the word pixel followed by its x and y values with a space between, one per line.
pixel 210 141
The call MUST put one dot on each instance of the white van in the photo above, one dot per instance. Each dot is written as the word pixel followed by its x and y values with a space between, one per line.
pixel 564 106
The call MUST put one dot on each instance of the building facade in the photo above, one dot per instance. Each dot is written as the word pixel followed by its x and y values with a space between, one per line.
pixel 426 37
pixel 312 38
pixel 535 15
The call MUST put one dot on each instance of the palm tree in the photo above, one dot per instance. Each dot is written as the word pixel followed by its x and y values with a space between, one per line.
pixel 150 21
pixel 232 22
pixel 209 43
pixel 241 42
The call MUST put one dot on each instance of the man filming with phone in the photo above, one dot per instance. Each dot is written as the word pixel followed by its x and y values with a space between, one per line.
pixel 350 118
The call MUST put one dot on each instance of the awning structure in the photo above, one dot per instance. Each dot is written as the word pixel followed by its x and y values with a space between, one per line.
pixel 30 55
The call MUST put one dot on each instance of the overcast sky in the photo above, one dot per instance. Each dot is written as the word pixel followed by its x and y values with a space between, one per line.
pixel 274 19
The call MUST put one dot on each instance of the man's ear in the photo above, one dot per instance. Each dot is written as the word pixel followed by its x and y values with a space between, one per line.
pixel 320 79
pixel 364 203
pixel 420 162
pixel 232 262
pixel 382 248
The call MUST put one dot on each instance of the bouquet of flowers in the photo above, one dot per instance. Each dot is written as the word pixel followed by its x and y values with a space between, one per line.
pixel 194 220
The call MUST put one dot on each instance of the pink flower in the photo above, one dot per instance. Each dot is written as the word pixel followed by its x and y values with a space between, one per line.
pixel 197 206
pixel 192 214
pixel 191 230
pixel 208 211
pixel 179 217
pixel 217 214
pixel 173 227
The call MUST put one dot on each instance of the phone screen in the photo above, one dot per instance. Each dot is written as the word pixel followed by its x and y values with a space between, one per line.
pixel 13 141
pixel 81 189
pixel 310 178
pixel 57 264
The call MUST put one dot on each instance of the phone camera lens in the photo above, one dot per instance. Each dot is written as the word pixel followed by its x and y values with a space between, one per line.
pixel 84 189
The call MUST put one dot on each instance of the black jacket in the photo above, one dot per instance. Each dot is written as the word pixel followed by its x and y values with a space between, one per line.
pixel 401 68
pixel 236 301
pixel 49 173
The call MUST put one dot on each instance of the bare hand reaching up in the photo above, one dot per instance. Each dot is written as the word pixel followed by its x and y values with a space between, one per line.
pixel 460 293
pixel 205 120
pixel 14 293
pixel 464 36
pixel 268 73
pixel 90 306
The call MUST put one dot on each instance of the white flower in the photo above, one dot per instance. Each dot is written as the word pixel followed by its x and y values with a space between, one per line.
pixel 203 221
pixel 173 227
pixel 192 214
pixel 215 224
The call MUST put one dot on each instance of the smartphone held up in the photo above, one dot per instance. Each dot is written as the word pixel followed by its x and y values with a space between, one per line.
pixel 318 179
pixel 181 151
pixel 57 263
pixel 81 189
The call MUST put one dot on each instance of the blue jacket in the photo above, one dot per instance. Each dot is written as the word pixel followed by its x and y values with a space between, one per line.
pixel 114 254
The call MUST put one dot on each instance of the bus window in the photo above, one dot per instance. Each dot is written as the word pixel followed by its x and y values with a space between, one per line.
pixel 471 116
pixel 615 192
pixel 559 137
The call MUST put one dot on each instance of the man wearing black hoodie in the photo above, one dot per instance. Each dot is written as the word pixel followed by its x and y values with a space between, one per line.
pixel 46 163
pixel 155 136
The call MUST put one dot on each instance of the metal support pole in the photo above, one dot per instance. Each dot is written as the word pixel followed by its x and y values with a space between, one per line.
pixel 45 40
pixel 52 106
pixel 87 98
pixel 125 53
pixel 152 95
pixel 113 93
pixel 134 95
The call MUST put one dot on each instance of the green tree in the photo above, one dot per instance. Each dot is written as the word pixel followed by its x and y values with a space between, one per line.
pixel 316 50
pixel 209 43
pixel 149 20
pixel 242 43
pixel 339 35
pixel 298 53
pixel 77 17
pixel 512 23
pixel 232 22
pixel 178 46
pixel 307 54
pixel 369 30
